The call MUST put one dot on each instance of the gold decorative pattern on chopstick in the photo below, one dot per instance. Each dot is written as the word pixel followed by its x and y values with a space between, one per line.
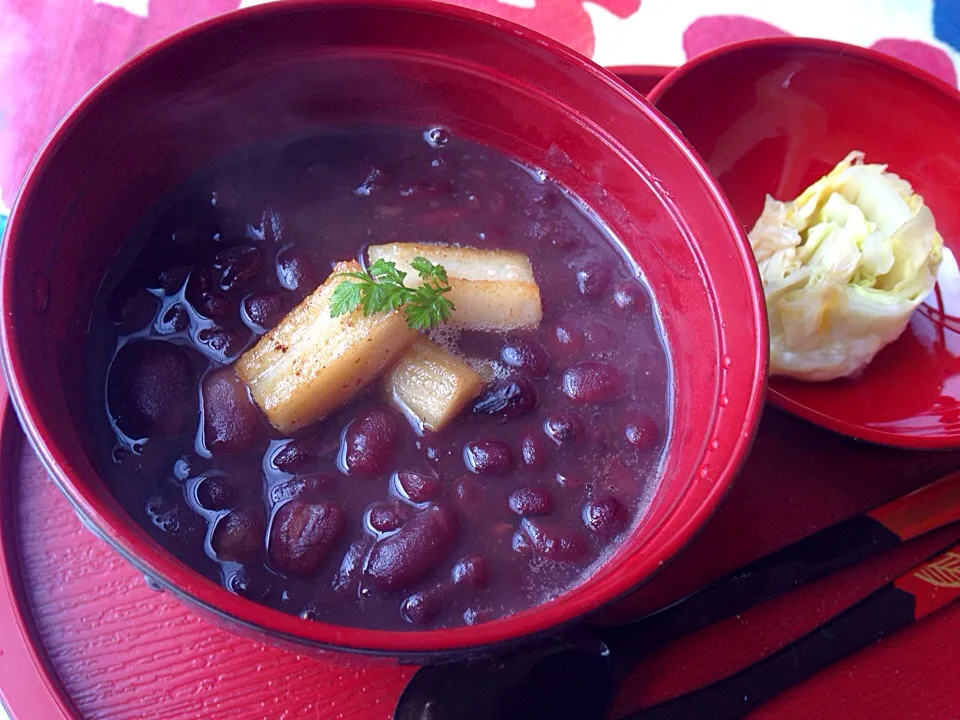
pixel 942 572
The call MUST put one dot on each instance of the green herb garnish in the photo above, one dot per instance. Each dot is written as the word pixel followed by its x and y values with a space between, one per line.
pixel 380 289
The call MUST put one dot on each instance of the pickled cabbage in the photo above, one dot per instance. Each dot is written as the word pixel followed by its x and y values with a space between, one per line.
pixel 844 265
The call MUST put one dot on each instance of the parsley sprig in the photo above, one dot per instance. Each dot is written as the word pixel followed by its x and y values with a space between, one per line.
pixel 380 289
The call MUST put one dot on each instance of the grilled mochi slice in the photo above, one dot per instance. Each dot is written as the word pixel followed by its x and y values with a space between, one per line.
pixel 431 385
pixel 312 363
pixel 491 289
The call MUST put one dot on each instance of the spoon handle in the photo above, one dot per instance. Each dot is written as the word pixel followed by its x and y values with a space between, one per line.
pixel 923 590
pixel 834 548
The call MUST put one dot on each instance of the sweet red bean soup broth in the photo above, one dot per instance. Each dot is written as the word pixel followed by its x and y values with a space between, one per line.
pixel 361 518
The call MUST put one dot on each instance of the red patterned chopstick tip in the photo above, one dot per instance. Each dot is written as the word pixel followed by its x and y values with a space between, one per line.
pixel 934 584
pixel 926 509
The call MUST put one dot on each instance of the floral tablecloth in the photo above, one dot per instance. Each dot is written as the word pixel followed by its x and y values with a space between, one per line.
pixel 53 51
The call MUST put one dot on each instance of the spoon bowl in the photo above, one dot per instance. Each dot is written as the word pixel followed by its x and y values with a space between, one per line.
pixel 574 676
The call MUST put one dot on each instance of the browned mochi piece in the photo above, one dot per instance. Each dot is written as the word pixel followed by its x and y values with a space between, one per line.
pixel 491 289
pixel 431 385
pixel 312 363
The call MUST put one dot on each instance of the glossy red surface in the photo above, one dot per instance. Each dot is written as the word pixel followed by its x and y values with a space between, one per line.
pixel 772 116
pixel 24 665
pixel 224 84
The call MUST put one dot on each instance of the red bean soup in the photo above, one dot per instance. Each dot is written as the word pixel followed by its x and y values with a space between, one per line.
pixel 364 518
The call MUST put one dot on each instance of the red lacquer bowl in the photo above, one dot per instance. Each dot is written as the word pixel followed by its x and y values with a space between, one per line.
pixel 772 116
pixel 286 68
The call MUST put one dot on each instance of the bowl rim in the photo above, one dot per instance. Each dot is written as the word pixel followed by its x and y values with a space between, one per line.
pixel 835 47
pixel 838 51
pixel 164 568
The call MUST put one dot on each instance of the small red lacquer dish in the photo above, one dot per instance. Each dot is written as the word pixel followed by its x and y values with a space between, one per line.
pixel 774 115
pixel 288 68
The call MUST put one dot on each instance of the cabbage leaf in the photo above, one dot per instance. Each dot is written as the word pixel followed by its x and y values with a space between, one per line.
pixel 844 265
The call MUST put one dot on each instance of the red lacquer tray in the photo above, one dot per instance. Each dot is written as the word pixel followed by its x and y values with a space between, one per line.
pixel 82 635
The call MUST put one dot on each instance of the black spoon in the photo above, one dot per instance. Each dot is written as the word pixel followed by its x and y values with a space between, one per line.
pixel 577 675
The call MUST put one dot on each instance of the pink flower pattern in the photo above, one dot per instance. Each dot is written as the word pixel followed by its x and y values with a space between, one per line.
pixel 563 20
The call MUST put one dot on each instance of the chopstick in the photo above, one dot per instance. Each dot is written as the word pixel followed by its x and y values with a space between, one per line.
pixel 839 546
pixel 926 588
